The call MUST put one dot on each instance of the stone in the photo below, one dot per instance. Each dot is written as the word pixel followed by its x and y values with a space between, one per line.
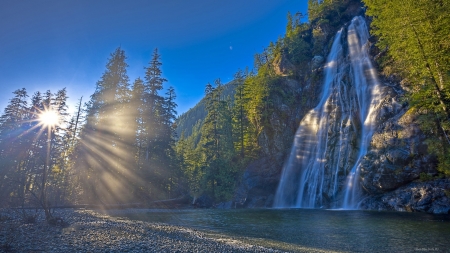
pixel 283 66
pixel 317 61
pixel 427 197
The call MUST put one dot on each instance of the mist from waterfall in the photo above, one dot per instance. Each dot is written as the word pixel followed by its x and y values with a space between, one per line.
pixel 332 138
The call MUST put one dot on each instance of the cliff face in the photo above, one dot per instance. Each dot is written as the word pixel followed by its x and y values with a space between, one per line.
pixel 390 171
pixel 398 154
pixel 261 177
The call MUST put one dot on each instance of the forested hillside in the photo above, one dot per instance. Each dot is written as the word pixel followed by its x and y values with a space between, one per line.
pixel 187 122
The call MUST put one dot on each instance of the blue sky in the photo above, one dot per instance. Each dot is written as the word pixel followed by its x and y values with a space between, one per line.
pixel 52 44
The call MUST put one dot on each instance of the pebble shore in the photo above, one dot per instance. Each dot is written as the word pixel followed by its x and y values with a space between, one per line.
pixel 91 231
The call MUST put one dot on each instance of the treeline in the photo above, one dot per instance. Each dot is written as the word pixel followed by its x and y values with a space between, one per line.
pixel 117 148
pixel 415 34
pixel 121 145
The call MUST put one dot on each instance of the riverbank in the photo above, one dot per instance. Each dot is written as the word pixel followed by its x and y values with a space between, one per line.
pixel 91 231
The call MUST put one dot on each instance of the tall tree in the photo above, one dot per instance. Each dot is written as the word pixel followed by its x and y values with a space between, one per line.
pixel 13 147
pixel 103 153
pixel 156 137
pixel 138 103
pixel 169 137
pixel 153 84
pixel 239 118
pixel 216 144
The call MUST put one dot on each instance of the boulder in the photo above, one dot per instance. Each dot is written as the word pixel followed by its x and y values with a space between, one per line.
pixel 431 197
pixel 317 62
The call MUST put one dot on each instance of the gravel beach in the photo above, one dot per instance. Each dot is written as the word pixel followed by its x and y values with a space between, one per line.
pixel 91 231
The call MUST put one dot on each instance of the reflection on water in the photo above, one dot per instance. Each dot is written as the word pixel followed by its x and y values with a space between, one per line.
pixel 318 230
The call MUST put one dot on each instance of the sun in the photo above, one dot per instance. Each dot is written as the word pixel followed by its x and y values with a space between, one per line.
pixel 49 118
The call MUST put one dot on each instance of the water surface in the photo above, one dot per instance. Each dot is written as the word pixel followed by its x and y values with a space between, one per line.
pixel 315 230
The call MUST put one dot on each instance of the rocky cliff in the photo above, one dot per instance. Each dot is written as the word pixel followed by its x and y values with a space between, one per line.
pixel 396 173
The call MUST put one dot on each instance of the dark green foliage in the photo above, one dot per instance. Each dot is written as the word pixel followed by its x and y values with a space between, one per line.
pixel 187 120
pixel 425 177
pixel 240 122
pixel 207 163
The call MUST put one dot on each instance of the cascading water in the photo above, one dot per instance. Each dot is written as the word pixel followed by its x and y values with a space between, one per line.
pixel 369 97
pixel 334 136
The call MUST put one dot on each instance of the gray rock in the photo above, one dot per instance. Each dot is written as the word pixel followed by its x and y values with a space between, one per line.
pixel 430 197
pixel 317 61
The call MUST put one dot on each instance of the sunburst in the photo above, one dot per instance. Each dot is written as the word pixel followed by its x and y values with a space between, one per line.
pixel 49 118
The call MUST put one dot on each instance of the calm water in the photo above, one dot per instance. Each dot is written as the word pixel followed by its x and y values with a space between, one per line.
pixel 316 230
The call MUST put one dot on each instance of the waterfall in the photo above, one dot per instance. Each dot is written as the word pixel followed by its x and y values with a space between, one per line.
pixel 334 136
pixel 369 97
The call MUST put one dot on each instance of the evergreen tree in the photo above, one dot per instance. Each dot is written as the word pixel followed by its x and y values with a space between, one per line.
pixel 13 148
pixel 155 140
pixel 169 137
pixel 103 153
pixel 239 118
pixel 58 147
pixel 216 145
pixel 153 84
pixel 138 103
pixel 69 181
pixel 33 149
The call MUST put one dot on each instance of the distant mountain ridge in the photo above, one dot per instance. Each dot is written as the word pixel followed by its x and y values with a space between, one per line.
pixel 193 118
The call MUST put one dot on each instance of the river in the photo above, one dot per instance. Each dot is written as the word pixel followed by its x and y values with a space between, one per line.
pixel 303 230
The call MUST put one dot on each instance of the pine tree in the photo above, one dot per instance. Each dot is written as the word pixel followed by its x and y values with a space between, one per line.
pixel 239 118
pixel 153 84
pixel 169 137
pixel 69 141
pixel 138 104
pixel 216 144
pixel 103 153
pixel 13 148
pixel 58 147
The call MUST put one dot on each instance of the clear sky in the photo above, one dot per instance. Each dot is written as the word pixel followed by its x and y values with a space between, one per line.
pixel 52 44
